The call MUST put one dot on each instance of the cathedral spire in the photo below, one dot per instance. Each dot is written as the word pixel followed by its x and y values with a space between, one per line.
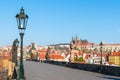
pixel 76 38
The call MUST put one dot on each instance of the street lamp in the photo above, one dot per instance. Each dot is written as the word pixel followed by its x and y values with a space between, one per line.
pixel 21 22
pixel 101 46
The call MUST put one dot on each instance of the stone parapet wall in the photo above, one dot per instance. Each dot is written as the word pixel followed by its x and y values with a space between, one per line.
pixel 6 65
pixel 104 69
pixel 4 74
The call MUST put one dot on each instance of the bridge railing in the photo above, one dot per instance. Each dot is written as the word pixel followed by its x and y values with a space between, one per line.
pixel 104 69
pixel 3 69
pixel 4 74
pixel 6 68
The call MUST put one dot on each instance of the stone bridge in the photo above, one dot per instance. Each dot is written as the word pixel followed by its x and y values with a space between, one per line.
pixel 46 71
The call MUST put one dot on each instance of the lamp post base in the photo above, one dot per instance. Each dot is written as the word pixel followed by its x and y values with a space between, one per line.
pixel 22 79
pixel 21 73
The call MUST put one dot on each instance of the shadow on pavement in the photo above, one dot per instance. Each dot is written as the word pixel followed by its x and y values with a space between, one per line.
pixel 109 77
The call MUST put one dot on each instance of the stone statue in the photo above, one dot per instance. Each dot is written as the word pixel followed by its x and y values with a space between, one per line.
pixel 33 52
pixel 71 59
pixel 14 51
pixel 47 56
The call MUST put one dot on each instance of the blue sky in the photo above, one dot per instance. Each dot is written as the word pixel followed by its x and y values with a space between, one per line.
pixel 56 21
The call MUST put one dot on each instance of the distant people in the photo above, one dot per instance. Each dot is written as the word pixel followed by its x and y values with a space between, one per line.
pixel 38 60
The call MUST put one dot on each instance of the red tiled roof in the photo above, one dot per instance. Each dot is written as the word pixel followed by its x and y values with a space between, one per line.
pixel 87 56
pixel 84 44
pixel 110 63
pixel 42 55
pixel 52 56
pixel 115 54
pixel 42 50
pixel 109 45
pixel 80 53
pixel 56 56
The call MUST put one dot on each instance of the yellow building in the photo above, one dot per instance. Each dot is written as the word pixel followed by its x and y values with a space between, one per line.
pixel 115 58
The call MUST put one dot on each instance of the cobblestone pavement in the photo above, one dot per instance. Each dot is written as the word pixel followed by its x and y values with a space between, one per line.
pixel 43 71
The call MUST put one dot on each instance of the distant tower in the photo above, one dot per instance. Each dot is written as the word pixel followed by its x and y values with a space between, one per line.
pixel 71 45
pixel 76 38
pixel 33 52
pixel 33 46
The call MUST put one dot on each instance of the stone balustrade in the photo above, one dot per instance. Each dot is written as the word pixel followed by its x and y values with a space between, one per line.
pixel 6 65
pixel 104 69
pixel 4 74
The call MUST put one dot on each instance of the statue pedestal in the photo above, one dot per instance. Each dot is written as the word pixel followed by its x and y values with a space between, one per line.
pixel 17 70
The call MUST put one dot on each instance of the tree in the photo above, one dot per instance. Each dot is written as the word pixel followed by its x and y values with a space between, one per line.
pixel 80 59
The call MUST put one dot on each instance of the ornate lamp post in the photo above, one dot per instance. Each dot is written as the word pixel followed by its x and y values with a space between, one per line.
pixel 101 46
pixel 21 22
